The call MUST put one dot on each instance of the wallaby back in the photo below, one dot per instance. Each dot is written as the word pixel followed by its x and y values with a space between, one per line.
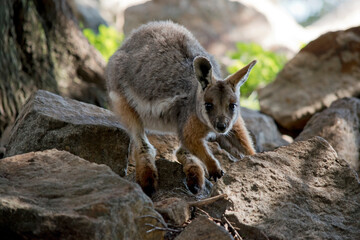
pixel 154 71
pixel 162 79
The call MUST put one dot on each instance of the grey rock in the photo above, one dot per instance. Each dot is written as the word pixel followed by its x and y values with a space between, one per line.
pixel 264 129
pixel 327 69
pixel 50 121
pixel 340 126
pixel 203 229
pixel 300 191
pixel 87 13
pixel 56 195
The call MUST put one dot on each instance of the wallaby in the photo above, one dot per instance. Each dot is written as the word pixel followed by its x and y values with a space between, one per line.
pixel 162 79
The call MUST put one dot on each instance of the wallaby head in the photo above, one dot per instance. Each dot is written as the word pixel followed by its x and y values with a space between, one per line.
pixel 218 99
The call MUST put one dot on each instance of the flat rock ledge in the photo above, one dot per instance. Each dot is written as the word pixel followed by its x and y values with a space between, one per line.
pixel 300 191
pixel 56 195
pixel 50 121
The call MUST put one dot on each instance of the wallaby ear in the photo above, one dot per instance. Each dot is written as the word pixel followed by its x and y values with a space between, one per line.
pixel 203 71
pixel 239 78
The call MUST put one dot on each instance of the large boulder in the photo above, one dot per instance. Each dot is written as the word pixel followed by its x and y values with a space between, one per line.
pixel 300 191
pixel 56 195
pixel 50 121
pixel 217 24
pixel 340 126
pixel 327 69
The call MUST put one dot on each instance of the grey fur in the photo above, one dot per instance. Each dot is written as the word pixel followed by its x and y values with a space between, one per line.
pixel 164 80
pixel 156 62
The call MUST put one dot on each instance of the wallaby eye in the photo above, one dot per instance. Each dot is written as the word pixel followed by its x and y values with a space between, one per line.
pixel 209 106
pixel 232 106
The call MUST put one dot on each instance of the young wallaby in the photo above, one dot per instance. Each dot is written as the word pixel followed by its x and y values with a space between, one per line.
pixel 162 79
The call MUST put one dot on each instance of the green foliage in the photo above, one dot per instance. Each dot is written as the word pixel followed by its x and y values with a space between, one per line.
pixel 107 41
pixel 264 72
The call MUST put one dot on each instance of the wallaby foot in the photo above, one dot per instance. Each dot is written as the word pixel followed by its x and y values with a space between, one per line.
pixel 215 173
pixel 147 178
pixel 146 172
pixel 193 169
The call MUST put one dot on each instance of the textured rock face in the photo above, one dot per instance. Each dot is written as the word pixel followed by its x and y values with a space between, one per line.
pixel 50 121
pixel 301 191
pixel 340 126
pixel 327 69
pixel 56 195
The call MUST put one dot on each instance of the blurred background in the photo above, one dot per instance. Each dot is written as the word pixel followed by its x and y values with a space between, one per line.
pixel 236 32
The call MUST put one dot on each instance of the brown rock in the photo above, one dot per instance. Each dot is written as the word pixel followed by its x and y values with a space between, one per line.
pixel 174 210
pixel 217 24
pixel 56 195
pixel 340 126
pixel 204 229
pixel 50 121
pixel 301 191
pixel 165 144
pixel 327 69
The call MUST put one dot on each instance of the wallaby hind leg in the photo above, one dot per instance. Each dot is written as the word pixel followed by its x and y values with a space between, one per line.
pixel 141 149
pixel 193 170
pixel 238 141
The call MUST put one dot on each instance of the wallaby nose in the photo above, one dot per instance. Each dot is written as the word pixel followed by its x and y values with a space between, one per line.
pixel 221 126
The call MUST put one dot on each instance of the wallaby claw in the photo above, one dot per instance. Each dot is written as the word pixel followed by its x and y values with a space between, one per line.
pixel 217 175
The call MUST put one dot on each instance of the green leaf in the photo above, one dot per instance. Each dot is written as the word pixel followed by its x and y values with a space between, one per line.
pixel 107 41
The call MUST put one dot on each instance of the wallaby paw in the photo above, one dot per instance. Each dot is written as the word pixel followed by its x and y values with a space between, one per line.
pixel 217 174
pixel 195 179
pixel 147 178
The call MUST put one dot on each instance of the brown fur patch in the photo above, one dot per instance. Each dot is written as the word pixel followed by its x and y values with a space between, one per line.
pixel 193 139
pixel 127 114
pixel 193 169
pixel 146 172
pixel 242 134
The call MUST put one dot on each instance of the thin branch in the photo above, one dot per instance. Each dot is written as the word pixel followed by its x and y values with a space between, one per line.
pixel 155 228
pixel 232 228
pixel 157 218
pixel 207 201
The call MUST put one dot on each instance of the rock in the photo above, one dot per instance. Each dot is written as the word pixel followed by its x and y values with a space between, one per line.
pixel 340 126
pixel 300 191
pixel 56 195
pixel 327 69
pixel 346 15
pixel 165 144
pixel 50 121
pixel 264 129
pixel 86 12
pixel 174 210
pixel 217 24
pixel 203 229
pixel 177 211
